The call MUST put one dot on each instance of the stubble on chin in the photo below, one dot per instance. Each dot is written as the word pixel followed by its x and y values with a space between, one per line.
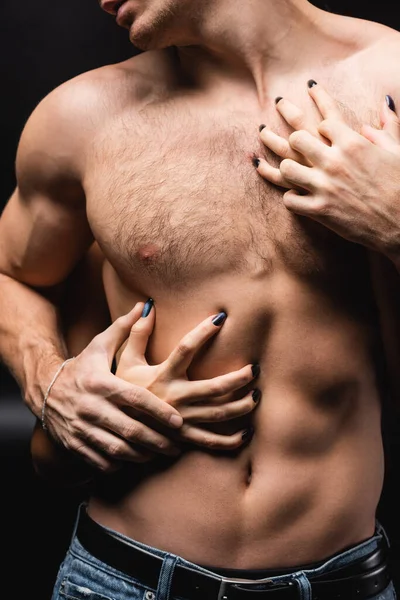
pixel 156 33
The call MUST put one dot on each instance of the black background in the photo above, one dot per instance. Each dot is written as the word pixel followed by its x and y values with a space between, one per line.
pixel 42 44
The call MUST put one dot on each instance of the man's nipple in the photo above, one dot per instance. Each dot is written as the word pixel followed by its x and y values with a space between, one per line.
pixel 148 253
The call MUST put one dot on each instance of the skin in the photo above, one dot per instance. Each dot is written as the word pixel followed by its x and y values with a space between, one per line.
pixel 153 159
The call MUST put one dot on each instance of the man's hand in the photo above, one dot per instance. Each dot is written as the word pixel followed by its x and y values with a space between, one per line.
pixel 214 400
pixel 347 181
pixel 86 411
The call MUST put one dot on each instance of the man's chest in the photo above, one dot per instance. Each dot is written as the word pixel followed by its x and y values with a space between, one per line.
pixel 175 194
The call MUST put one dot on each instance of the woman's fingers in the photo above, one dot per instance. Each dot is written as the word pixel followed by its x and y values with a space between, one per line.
pixel 223 412
pixel 299 175
pixel 315 151
pixel 180 358
pixel 271 174
pixel 305 205
pixel 337 132
pixel 135 349
pixel 279 145
pixel 214 441
pixel 223 384
pixel 387 138
pixel 326 105
pixel 276 143
pixel 294 116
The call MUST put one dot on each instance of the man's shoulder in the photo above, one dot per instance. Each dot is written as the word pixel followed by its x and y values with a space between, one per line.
pixel 64 122
pixel 379 43
pixel 381 58
pixel 131 82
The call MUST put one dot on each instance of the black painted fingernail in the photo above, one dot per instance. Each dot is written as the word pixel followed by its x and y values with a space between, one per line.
pixel 262 127
pixel 248 434
pixel 147 308
pixel 278 99
pixel 256 395
pixel 390 103
pixel 256 162
pixel 311 83
pixel 255 369
pixel 219 319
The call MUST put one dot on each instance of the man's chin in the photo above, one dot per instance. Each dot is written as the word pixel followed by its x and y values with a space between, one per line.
pixel 142 44
pixel 144 41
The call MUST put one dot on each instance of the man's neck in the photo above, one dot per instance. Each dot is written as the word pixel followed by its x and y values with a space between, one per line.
pixel 254 41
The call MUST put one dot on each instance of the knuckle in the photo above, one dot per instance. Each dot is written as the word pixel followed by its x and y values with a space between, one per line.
pixel 161 444
pixel 217 388
pixel 286 167
pixel 131 432
pixel 320 208
pixel 135 397
pixel 334 164
pixel 220 414
pixel 87 412
pixel 98 384
pixel 139 327
pixel 115 449
pixel 122 321
pixel 283 148
pixel 184 347
pixel 96 345
pixel 297 120
pixel 324 126
pixel 73 445
pixel 296 138
pixel 351 146
pixel 210 442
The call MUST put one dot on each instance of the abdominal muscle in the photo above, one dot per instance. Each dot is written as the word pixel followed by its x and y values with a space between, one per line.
pixel 308 483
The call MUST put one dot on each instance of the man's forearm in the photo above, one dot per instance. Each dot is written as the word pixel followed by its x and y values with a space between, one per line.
pixel 31 341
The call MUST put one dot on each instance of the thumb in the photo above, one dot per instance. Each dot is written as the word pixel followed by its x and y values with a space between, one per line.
pixel 389 119
pixel 135 349
pixel 388 137
pixel 112 338
pixel 380 138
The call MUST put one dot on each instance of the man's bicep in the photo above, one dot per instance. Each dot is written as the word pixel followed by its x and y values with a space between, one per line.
pixel 42 237
pixel 43 228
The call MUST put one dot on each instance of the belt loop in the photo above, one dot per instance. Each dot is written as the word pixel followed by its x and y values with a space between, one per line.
pixel 81 508
pixel 303 585
pixel 165 578
pixel 222 594
pixel 380 530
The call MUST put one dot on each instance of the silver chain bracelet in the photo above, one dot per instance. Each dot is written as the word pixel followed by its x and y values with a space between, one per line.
pixel 52 382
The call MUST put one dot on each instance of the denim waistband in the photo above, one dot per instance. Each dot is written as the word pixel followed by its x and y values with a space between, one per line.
pixel 341 559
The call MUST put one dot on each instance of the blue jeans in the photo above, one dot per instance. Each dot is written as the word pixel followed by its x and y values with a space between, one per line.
pixel 83 577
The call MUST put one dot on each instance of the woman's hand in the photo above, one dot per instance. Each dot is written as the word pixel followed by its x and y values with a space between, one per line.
pixel 347 181
pixel 199 402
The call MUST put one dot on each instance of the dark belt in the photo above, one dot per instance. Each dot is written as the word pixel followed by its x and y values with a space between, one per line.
pixel 367 577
